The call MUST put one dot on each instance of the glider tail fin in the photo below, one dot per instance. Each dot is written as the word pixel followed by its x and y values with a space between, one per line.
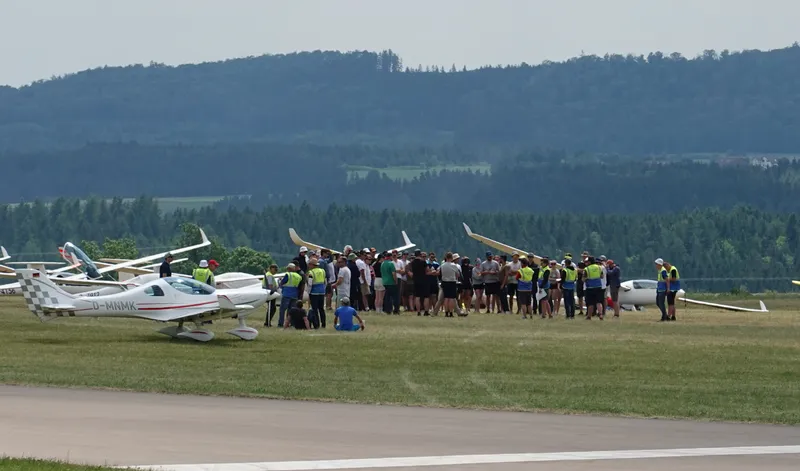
pixel 43 297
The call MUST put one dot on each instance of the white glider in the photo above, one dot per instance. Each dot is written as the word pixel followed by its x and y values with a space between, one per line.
pixel 725 306
pixel 302 243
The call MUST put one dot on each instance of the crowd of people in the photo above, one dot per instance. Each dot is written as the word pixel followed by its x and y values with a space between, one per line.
pixel 386 282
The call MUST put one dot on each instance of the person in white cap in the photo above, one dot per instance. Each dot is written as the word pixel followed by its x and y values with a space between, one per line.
pixel 661 289
pixel 202 274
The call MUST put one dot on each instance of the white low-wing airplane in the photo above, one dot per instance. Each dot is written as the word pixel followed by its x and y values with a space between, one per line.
pixel 170 299
pixel 302 243
pixel 633 294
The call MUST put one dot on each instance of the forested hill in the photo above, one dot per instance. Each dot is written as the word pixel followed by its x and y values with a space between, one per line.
pixel 747 101
pixel 715 250
pixel 281 173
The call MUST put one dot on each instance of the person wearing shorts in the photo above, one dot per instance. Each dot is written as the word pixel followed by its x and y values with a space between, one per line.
pixel 419 280
pixel 673 286
pixel 477 284
pixel 490 270
pixel 580 286
pixel 524 288
pixel 450 273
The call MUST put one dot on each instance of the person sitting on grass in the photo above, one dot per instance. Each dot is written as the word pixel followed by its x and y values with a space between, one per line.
pixel 297 318
pixel 343 317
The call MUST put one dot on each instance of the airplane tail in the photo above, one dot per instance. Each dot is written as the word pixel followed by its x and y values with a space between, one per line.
pixel 43 297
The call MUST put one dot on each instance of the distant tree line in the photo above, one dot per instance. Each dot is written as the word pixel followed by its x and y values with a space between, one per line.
pixel 716 250
pixel 537 181
pixel 719 101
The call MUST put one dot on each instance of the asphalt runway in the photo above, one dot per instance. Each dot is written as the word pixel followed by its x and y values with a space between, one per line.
pixel 189 433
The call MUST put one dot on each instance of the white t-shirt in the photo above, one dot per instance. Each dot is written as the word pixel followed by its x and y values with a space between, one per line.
pixel 400 265
pixel 603 277
pixel 344 287
pixel 513 266
pixel 362 265
pixel 331 273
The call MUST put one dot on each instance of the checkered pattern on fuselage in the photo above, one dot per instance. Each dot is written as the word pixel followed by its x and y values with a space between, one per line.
pixel 36 295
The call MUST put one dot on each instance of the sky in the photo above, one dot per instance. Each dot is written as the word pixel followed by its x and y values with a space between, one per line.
pixel 44 38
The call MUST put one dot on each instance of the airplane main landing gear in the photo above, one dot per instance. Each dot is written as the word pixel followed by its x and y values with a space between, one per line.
pixel 181 332
pixel 243 331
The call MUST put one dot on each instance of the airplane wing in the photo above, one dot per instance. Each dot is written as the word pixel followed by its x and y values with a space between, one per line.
pixel 725 306
pixel 3 254
pixel 86 282
pixel 300 242
pixel 242 278
pixel 794 282
pixel 130 263
pixel 407 241
pixel 226 304
pixel 501 246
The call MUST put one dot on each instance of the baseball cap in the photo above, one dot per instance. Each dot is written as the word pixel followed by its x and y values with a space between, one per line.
pixel 659 261
pixel 291 265
pixel 514 253
pixel 303 249
pixel 603 258
pixel 488 254
pixel 169 255
pixel 418 252
pixel 213 262
pixel 352 256
pixel 345 300
pixel 610 261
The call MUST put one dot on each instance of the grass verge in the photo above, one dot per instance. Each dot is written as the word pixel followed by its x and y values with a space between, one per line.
pixel 710 365
pixel 27 464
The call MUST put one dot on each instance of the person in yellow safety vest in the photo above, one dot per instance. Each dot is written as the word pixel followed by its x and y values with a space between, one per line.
pixel 594 289
pixel 203 274
pixel 544 287
pixel 524 288
pixel 569 275
pixel 271 285
pixel 318 280
pixel 290 290
pixel 662 288
pixel 673 286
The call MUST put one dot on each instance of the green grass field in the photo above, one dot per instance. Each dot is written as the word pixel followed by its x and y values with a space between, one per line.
pixel 17 464
pixel 408 173
pixel 710 365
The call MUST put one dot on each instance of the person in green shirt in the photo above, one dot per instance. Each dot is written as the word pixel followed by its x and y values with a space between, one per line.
pixel 391 297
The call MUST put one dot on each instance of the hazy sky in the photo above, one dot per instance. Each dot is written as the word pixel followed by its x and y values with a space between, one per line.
pixel 41 38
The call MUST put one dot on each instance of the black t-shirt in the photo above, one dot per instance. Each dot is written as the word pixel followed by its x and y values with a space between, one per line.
pixel 418 268
pixel 165 270
pixel 296 316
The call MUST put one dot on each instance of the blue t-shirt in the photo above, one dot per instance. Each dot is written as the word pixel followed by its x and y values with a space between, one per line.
pixel 345 315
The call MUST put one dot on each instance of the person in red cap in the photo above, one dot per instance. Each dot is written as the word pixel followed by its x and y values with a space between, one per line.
pixel 212 265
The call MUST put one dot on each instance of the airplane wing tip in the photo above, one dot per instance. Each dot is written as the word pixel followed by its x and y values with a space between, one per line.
pixel 3 252
pixel 203 235
pixel 466 228
pixel 763 306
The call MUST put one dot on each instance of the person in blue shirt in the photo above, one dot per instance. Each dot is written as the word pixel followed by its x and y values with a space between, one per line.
pixel 343 317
